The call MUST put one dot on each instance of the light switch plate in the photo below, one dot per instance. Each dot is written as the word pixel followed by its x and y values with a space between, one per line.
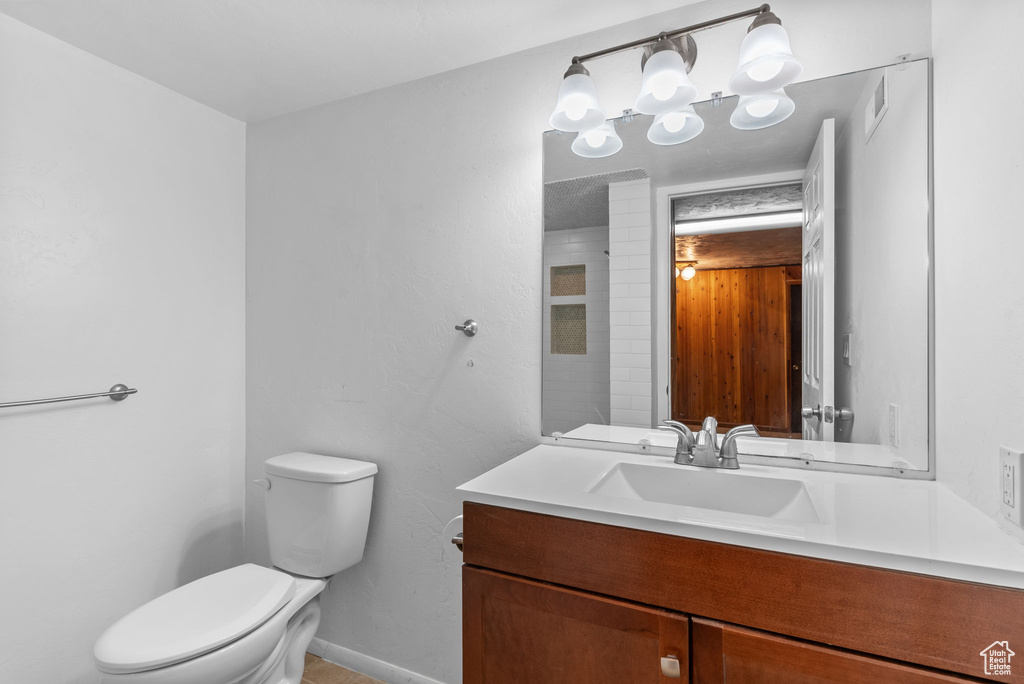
pixel 1011 485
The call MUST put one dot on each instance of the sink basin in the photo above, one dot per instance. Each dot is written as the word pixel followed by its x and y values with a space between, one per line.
pixel 717 490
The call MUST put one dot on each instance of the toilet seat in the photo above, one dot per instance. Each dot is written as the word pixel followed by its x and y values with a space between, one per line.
pixel 194 619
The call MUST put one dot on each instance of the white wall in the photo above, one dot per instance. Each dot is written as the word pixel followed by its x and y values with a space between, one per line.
pixel 978 243
pixel 882 267
pixel 378 223
pixel 121 260
pixel 575 390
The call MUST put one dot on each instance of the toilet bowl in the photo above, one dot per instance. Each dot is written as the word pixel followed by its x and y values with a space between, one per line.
pixel 250 624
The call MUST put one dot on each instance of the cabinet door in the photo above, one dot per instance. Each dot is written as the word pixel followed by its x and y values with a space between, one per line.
pixel 519 631
pixel 727 654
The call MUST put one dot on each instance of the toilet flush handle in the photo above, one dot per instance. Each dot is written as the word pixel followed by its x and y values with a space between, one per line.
pixel 262 483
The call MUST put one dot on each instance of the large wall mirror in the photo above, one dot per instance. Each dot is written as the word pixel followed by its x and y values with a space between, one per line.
pixel 779 276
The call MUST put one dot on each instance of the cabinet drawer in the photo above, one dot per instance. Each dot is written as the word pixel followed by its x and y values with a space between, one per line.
pixel 516 631
pixel 727 654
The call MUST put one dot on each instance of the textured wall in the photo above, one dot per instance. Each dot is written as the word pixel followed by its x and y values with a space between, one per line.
pixel 121 260
pixel 978 242
pixel 377 223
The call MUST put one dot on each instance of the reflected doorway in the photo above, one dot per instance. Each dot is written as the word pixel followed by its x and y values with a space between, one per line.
pixel 736 343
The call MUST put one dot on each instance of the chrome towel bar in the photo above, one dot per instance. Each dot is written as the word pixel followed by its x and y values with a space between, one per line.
pixel 117 393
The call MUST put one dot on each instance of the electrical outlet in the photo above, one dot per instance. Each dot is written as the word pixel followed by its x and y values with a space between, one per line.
pixel 894 425
pixel 1011 485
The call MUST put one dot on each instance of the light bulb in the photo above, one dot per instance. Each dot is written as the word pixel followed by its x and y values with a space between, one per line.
pixel 762 108
pixel 689 272
pixel 678 273
pixel 673 122
pixel 596 137
pixel 663 86
pixel 575 107
pixel 765 71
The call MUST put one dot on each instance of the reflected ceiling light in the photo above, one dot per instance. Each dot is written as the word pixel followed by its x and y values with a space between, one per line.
pixel 577 108
pixel 766 64
pixel 766 59
pixel 733 224
pixel 688 271
pixel 754 112
pixel 665 87
pixel 601 141
pixel 675 127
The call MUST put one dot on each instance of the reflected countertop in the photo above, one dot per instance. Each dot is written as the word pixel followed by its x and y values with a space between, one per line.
pixel 874 455
pixel 909 525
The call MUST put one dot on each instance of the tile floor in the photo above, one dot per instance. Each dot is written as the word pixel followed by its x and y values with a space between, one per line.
pixel 319 671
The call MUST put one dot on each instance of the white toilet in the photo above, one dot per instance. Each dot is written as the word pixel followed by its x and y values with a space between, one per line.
pixel 249 624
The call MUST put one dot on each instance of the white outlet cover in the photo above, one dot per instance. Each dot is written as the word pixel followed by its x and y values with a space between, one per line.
pixel 1011 485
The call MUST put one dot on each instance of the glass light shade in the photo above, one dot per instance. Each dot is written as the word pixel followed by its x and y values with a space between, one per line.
pixel 601 141
pixel 666 86
pixel 766 62
pixel 688 272
pixel 577 108
pixel 675 127
pixel 761 111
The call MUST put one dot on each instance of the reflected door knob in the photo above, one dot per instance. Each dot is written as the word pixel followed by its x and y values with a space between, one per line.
pixel 808 412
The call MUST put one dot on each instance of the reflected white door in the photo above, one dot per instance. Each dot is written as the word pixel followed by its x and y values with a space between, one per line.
pixel 819 287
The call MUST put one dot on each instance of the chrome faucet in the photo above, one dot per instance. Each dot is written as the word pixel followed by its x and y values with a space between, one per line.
pixel 684 443
pixel 702 450
pixel 705 452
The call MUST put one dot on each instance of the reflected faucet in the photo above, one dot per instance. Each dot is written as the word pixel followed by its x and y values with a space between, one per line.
pixel 702 450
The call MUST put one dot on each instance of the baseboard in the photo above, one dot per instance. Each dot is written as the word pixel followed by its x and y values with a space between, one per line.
pixel 364 664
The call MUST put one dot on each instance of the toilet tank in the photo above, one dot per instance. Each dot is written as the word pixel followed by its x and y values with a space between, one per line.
pixel 318 511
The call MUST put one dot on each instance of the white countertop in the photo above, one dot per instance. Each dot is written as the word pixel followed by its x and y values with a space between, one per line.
pixel 910 525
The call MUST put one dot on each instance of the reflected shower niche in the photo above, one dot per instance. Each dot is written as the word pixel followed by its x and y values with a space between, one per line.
pixel 779 277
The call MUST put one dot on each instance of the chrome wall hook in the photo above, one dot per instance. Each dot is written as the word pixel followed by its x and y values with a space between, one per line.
pixel 469 328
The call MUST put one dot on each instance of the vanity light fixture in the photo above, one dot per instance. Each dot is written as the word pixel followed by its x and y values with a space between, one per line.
pixel 602 141
pixel 675 127
pixel 754 112
pixel 766 64
pixel 766 59
pixel 577 108
pixel 665 88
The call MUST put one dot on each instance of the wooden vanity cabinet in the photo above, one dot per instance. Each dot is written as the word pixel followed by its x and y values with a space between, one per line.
pixel 549 599
pixel 520 631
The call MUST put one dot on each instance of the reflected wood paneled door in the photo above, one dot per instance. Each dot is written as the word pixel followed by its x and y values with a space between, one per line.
pixel 731 348
pixel 517 631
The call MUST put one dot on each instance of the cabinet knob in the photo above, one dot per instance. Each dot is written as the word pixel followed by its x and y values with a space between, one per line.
pixel 670 666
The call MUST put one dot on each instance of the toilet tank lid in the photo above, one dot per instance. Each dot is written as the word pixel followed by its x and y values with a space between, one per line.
pixel 193 619
pixel 317 468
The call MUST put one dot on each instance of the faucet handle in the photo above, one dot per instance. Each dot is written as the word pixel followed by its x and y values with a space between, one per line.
pixel 727 456
pixel 684 443
pixel 681 429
